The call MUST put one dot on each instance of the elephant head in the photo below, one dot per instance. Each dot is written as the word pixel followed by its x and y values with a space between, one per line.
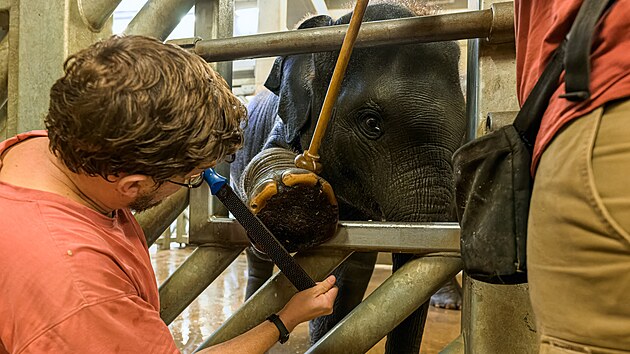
pixel 396 123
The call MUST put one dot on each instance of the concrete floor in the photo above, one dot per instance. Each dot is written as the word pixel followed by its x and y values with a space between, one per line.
pixel 226 294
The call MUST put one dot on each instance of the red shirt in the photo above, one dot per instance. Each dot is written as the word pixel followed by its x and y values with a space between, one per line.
pixel 541 25
pixel 73 280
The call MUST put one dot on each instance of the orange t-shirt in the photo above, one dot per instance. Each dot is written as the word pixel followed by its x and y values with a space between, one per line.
pixel 541 25
pixel 73 280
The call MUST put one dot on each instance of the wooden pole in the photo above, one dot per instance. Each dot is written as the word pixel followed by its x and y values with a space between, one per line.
pixel 309 160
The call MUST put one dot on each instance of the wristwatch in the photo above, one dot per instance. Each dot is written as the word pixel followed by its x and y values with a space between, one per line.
pixel 284 332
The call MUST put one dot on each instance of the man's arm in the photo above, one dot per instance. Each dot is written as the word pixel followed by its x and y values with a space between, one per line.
pixel 303 306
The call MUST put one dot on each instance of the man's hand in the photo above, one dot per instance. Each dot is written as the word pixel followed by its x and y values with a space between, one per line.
pixel 310 303
pixel 303 306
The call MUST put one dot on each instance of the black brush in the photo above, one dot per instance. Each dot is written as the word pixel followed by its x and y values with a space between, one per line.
pixel 257 231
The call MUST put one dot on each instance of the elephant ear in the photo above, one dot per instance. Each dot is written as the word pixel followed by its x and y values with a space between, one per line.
pixel 291 79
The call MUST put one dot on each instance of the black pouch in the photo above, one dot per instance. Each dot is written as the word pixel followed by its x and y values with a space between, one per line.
pixel 492 173
pixel 493 188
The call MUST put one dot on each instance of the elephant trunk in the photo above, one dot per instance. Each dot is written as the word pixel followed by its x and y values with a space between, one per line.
pixel 422 194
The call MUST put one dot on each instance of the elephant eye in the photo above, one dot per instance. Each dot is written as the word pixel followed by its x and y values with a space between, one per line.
pixel 370 125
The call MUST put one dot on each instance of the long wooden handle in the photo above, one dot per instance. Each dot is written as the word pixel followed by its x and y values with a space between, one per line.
pixel 310 159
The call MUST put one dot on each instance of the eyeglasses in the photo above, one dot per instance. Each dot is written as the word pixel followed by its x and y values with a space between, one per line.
pixel 193 181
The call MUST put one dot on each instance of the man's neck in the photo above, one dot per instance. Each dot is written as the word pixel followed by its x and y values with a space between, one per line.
pixel 30 164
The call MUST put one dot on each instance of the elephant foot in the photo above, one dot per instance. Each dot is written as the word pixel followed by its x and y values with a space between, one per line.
pixel 298 206
pixel 449 296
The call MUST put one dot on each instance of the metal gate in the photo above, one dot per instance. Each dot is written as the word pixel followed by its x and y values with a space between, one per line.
pixel 495 319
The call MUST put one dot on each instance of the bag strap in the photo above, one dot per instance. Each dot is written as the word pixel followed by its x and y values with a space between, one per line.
pixel 577 63
pixel 575 51
pixel 527 121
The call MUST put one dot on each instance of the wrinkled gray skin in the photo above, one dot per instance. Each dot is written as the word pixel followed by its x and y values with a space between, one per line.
pixel 387 151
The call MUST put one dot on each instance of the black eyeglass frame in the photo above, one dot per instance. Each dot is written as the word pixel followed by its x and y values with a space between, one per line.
pixel 191 182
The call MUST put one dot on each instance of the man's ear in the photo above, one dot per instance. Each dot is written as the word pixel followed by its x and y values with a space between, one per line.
pixel 130 185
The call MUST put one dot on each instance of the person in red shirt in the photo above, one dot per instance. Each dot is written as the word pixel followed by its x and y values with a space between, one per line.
pixel 578 249
pixel 130 121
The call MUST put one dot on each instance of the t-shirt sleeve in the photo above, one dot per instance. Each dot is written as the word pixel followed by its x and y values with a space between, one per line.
pixel 122 325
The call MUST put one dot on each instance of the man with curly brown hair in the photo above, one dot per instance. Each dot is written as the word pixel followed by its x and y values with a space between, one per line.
pixel 130 122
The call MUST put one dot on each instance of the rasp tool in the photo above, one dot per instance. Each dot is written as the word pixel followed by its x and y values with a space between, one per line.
pixel 257 231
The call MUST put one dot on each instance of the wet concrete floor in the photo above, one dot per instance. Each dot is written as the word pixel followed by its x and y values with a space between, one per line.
pixel 226 294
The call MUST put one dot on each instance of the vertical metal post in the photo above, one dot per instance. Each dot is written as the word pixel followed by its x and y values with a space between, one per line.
pixel 472 89
pixel 41 35
pixel 491 80
pixel 213 19
pixel 272 17
pixel 495 318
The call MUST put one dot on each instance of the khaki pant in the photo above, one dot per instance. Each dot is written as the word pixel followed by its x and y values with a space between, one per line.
pixel 579 243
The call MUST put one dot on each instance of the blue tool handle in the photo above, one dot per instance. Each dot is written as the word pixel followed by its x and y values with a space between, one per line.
pixel 214 180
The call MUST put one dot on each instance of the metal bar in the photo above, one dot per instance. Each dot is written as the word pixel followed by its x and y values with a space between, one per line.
pixel 164 241
pixel 472 89
pixel 192 277
pixel 225 30
pixel 95 13
pixel 355 236
pixel 496 120
pixel 400 295
pixel 158 18
pixel 36 57
pixel 213 19
pixel 30 79
pixel 274 294
pixel 455 26
pixel 155 220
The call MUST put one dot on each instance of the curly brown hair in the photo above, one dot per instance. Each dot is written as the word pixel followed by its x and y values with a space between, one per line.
pixel 133 104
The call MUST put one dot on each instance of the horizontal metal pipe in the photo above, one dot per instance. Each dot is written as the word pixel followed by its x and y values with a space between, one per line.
pixel 400 295
pixel 496 120
pixel 96 12
pixel 158 18
pixel 355 236
pixel 155 220
pixel 191 278
pixel 274 294
pixel 446 27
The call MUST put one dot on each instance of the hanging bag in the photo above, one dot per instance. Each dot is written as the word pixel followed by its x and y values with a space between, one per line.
pixel 493 183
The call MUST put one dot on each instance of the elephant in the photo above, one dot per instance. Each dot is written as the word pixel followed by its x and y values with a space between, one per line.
pixel 386 153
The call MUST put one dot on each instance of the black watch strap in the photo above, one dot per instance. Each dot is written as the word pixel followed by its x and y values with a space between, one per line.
pixel 284 332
